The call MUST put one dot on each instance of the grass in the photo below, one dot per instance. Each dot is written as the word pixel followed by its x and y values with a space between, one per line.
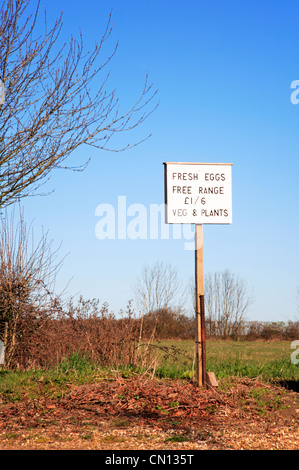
pixel 52 383
pixel 177 438
pixel 175 359
pixel 269 360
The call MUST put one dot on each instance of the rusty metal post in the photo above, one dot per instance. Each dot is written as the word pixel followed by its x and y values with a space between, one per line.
pixel 200 324
pixel 203 338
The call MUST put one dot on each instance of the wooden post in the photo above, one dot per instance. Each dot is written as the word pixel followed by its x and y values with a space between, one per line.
pixel 199 292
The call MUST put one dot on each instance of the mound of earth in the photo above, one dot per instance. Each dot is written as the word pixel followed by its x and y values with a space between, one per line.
pixel 145 413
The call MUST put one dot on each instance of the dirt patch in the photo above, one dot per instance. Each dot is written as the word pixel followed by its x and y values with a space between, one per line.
pixel 147 414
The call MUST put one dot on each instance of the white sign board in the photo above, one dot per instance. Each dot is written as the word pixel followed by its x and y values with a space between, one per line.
pixel 198 193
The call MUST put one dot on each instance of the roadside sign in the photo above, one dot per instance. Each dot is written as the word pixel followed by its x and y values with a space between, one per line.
pixel 198 193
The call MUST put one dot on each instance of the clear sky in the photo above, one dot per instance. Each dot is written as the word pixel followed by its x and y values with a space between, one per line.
pixel 223 70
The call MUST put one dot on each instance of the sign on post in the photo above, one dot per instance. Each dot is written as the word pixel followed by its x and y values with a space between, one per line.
pixel 199 193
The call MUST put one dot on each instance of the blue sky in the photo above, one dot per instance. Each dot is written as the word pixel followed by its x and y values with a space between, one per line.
pixel 223 71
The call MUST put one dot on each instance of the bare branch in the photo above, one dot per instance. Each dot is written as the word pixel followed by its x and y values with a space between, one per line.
pixel 56 99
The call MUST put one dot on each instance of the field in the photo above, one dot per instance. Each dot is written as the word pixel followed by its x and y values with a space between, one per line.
pixel 265 359
pixel 81 406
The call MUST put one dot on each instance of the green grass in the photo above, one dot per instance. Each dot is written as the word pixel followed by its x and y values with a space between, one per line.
pixel 268 360
pixel 177 438
pixel 52 383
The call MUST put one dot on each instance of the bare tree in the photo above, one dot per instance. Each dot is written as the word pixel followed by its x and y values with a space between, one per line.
pixel 227 301
pixel 56 99
pixel 157 288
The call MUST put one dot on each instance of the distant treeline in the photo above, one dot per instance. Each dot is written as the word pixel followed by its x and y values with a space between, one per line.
pixel 170 324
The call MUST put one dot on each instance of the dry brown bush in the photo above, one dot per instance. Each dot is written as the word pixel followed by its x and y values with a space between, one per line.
pixel 167 323
pixel 89 329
